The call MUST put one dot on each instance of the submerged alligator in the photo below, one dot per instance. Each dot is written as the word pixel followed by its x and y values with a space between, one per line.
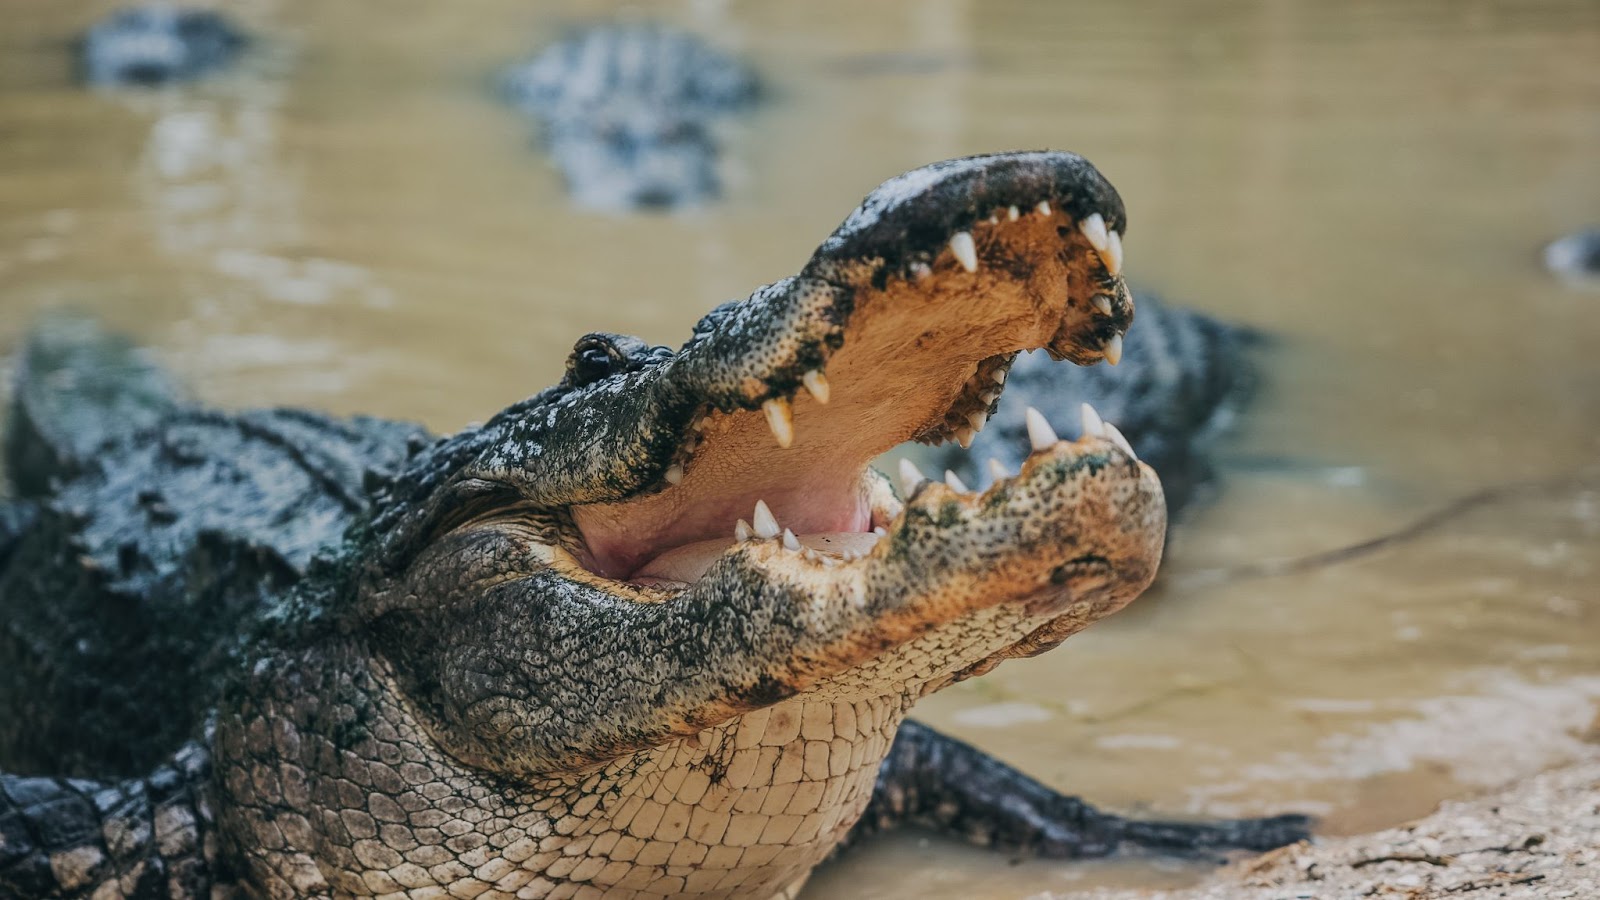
pixel 1185 378
pixel 157 44
pixel 652 632
pixel 628 113
pixel 1575 258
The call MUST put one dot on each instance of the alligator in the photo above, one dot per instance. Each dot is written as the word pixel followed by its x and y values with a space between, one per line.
pixel 1186 376
pixel 651 632
pixel 628 113
pixel 1575 258
pixel 157 44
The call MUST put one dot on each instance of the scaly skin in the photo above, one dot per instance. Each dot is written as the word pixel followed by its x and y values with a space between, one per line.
pixel 479 725
pixel 544 665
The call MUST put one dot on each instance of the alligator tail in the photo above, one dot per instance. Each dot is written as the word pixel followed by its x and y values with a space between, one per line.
pixel 137 838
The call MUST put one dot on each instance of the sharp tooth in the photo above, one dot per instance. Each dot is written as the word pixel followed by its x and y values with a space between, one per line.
pixel 955 481
pixel 1094 228
pixel 1040 434
pixel 1122 443
pixel 1112 255
pixel 1043 207
pixel 780 418
pixel 997 471
pixel 1112 350
pixel 741 531
pixel 989 397
pixel 964 437
pixel 817 384
pixel 1093 425
pixel 699 424
pixel 766 524
pixel 828 562
pixel 920 270
pixel 881 531
pixel 1012 213
pixel 790 542
pixel 966 252
pixel 1102 303
pixel 978 419
pixel 674 474
pixel 999 375
pixel 911 478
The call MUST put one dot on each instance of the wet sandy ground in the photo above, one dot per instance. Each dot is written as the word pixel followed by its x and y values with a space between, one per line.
pixel 351 222
pixel 1534 839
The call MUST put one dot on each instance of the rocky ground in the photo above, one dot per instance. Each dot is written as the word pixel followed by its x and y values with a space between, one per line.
pixel 1539 838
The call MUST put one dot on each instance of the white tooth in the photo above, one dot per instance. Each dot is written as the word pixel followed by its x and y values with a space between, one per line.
pixel 989 396
pixel 1113 349
pixel 978 419
pixel 1040 434
pixel 1121 442
pixel 766 524
pixel 1102 303
pixel 674 474
pixel 741 531
pixel 1094 228
pixel 1112 255
pixel 997 472
pixel 911 478
pixel 955 481
pixel 1043 207
pixel 994 220
pixel 999 375
pixel 920 270
pixel 1012 213
pixel 881 531
pixel 699 424
pixel 780 418
pixel 964 437
pixel 817 384
pixel 966 252
pixel 1093 425
pixel 790 542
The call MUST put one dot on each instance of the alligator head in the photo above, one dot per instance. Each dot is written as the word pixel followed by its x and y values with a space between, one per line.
pixel 629 113
pixel 669 539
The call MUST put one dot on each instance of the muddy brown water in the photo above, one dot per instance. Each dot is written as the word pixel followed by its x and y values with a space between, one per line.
pixel 351 222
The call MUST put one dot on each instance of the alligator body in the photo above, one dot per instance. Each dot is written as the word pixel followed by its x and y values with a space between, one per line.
pixel 629 113
pixel 1184 378
pixel 157 44
pixel 574 651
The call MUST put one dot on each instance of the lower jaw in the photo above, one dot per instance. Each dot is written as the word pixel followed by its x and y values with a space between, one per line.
pixel 684 564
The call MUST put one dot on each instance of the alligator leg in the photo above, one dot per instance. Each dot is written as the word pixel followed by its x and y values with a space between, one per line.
pixel 141 838
pixel 938 782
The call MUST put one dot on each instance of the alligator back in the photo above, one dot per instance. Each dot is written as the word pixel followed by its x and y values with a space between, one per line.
pixel 1183 377
pixel 151 544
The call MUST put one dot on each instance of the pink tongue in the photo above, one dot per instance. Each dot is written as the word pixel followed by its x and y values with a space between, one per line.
pixel 687 563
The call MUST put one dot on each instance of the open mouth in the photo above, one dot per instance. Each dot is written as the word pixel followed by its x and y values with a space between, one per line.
pixel 901 327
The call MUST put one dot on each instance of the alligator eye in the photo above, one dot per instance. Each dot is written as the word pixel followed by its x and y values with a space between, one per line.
pixel 599 356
